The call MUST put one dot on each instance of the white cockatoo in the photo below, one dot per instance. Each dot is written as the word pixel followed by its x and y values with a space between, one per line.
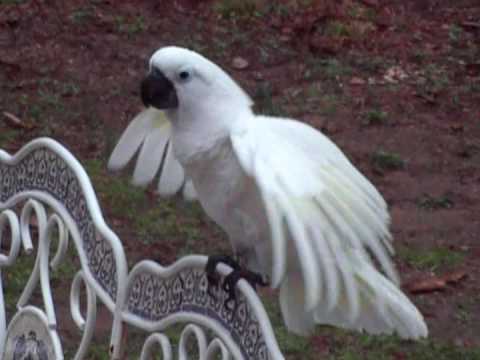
pixel 293 206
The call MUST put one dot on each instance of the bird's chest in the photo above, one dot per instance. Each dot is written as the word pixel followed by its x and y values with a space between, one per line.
pixel 218 179
pixel 228 195
pixel 232 200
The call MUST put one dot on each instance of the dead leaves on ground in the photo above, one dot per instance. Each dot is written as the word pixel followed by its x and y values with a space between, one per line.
pixel 435 283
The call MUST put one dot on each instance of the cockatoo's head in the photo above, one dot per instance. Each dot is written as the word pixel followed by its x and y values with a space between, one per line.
pixel 181 78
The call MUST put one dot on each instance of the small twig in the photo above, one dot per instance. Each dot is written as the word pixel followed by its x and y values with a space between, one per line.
pixel 14 121
pixel 470 25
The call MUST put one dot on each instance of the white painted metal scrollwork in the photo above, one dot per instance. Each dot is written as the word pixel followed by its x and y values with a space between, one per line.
pixel 46 198
pixel 191 335
pixel 87 325
pixel 157 340
pixel 7 217
pixel 31 331
pixel 159 296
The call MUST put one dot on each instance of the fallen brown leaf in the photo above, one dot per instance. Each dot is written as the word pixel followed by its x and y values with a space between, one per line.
pixel 425 285
pixel 434 283
pixel 455 277
pixel 357 81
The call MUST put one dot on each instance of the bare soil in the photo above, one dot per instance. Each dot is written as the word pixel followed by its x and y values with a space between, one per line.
pixel 71 70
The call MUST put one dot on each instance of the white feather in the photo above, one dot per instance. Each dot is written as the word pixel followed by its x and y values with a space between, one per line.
pixel 151 131
pixel 150 156
pixel 287 196
pixel 133 136
pixel 172 177
pixel 276 224
pixel 332 214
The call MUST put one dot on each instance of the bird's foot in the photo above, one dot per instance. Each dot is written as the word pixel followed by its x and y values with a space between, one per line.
pixel 210 270
pixel 231 280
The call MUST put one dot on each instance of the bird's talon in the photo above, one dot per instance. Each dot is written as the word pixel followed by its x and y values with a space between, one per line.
pixel 230 282
pixel 213 279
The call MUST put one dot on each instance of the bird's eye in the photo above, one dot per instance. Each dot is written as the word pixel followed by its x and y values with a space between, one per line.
pixel 184 75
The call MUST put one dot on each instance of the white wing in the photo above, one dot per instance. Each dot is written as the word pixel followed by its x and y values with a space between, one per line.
pixel 333 221
pixel 150 132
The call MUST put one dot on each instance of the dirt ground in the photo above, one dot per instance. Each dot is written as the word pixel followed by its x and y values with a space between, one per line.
pixel 396 84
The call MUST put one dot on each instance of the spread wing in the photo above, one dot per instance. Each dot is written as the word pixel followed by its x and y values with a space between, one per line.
pixel 335 221
pixel 150 132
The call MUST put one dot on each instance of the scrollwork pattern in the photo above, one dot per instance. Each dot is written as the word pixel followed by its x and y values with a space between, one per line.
pixel 50 192
pixel 87 325
pixel 155 298
pixel 44 170
pixel 10 219
pixel 49 227
pixel 191 334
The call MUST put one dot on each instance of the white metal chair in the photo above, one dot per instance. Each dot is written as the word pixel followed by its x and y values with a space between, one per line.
pixel 45 181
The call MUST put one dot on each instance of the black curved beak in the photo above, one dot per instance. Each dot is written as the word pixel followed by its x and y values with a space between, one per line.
pixel 158 91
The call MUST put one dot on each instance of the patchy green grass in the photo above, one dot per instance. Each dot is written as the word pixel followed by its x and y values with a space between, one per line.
pixel 6 136
pixel 375 117
pixel 122 197
pixel 334 68
pixel 455 34
pixel 431 259
pixel 41 108
pixel 326 68
pixel 432 80
pixel 51 99
pixel 419 56
pixel 329 104
pixel 382 160
pixel 130 26
pixel 290 344
pixel 370 65
pixel 83 14
pixel 351 345
pixel 369 347
pixel 338 28
pixel 164 221
pixel 16 277
pixel 178 222
pixel 265 102
pixel 12 2
pixel 429 202
pixel 98 352
pixel 230 9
